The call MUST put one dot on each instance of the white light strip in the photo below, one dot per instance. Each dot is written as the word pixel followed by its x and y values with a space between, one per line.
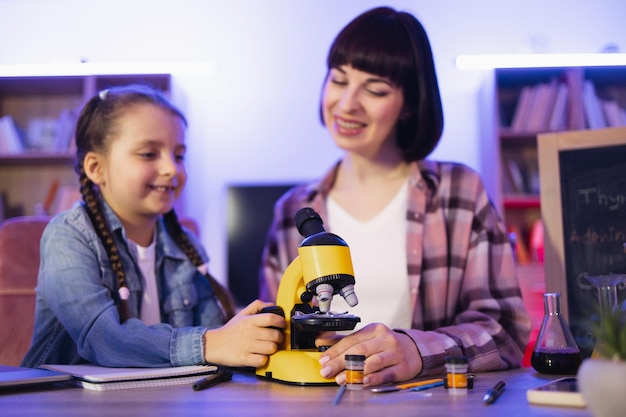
pixel 481 62
pixel 107 68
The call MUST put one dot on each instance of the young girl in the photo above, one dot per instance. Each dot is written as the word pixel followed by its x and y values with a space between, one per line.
pixel 121 283
pixel 434 270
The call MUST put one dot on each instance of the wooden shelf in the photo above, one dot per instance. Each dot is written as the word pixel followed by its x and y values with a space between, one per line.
pixel 509 137
pixel 521 201
pixel 517 158
pixel 27 178
pixel 38 158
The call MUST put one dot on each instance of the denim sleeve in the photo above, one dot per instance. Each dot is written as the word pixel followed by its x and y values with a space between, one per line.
pixel 75 282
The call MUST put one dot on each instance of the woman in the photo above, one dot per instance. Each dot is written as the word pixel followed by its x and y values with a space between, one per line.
pixel 434 269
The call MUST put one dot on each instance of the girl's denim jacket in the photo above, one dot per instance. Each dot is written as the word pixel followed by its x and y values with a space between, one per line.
pixel 76 318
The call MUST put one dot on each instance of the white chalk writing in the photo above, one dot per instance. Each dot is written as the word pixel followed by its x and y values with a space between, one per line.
pixel 596 196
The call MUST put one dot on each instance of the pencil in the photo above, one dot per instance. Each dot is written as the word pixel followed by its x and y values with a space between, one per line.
pixel 342 388
pixel 418 383
pixel 408 385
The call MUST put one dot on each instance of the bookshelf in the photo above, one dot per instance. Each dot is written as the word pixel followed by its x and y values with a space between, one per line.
pixel 589 92
pixel 43 109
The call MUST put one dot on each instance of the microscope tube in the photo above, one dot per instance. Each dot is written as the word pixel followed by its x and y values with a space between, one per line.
pixel 324 296
pixel 349 295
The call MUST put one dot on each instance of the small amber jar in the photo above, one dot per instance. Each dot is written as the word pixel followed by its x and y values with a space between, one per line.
pixel 456 367
pixel 354 372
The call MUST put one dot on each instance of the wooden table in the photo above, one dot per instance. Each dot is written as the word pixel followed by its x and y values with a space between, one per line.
pixel 246 395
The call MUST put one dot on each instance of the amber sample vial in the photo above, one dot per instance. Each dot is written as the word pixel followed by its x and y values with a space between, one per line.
pixel 456 368
pixel 354 372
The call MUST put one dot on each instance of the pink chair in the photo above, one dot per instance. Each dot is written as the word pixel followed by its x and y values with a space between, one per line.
pixel 19 266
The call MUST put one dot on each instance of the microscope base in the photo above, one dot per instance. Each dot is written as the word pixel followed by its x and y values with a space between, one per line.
pixel 297 367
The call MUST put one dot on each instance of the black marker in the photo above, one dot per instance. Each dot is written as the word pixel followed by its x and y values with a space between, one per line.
pixel 492 395
pixel 213 379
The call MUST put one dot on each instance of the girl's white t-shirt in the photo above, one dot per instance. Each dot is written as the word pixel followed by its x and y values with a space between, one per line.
pixel 150 309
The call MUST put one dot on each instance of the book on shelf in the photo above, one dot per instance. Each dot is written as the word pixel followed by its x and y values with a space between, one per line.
pixel 570 102
pixel 531 175
pixel 592 106
pixel 533 119
pixel 100 378
pixel 558 117
pixel 522 110
pixel 544 95
pixel 508 184
pixel 64 129
pixel 613 113
pixel 516 175
pixel 574 77
pixel 10 141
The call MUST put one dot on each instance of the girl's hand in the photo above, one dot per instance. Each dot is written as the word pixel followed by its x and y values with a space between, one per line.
pixel 390 356
pixel 246 340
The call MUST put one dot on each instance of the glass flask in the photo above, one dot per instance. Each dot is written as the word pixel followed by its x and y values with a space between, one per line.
pixel 607 287
pixel 556 351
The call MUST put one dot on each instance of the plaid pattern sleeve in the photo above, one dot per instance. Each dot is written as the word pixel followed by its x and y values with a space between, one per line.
pixel 465 295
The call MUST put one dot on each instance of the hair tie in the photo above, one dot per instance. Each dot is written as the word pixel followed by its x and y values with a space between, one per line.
pixel 204 269
pixel 124 293
pixel 103 94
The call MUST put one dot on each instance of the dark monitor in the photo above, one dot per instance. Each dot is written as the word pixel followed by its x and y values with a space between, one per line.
pixel 250 212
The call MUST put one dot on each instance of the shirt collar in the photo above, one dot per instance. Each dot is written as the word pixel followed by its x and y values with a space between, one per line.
pixel 165 244
pixel 421 170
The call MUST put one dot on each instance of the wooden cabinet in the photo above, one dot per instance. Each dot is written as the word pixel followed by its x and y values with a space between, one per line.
pixel 589 95
pixel 33 180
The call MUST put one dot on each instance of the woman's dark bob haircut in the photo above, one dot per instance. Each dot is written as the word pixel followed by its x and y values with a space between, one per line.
pixel 394 45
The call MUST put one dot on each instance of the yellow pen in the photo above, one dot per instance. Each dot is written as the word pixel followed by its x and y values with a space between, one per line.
pixel 407 385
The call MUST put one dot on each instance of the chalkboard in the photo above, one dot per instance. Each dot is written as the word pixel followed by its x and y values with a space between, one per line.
pixel 583 201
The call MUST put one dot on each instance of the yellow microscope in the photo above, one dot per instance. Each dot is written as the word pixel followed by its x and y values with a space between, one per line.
pixel 322 269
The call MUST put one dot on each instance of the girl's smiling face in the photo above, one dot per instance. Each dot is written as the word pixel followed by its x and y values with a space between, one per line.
pixel 143 172
pixel 361 110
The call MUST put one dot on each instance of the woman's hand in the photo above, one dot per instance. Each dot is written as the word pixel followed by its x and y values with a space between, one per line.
pixel 390 356
pixel 246 340
pixel 327 339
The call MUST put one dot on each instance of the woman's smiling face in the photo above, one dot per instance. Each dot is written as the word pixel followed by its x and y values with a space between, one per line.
pixel 361 110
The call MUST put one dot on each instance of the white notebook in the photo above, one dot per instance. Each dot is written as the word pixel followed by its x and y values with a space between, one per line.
pixel 99 378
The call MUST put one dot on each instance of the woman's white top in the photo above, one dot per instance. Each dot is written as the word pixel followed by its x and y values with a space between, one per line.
pixel 378 250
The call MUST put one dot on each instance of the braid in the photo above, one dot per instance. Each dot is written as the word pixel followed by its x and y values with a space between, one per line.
pixel 97 126
pixel 94 210
pixel 176 231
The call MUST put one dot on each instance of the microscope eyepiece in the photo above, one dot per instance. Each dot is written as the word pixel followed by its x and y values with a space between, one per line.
pixel 308 222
